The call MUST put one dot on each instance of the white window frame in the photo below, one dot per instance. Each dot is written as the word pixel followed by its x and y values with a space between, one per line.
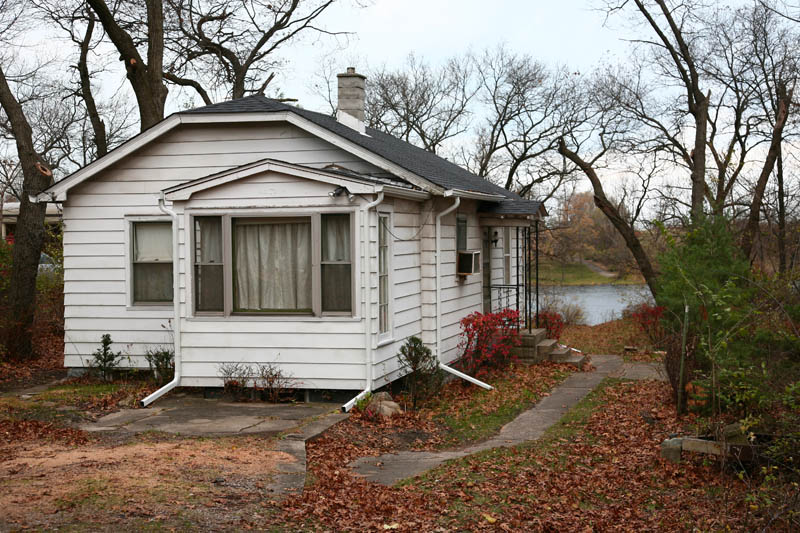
pixel 386 336
pixel 227 248
pixel 461 217
pixel 129 303
pixel 507 255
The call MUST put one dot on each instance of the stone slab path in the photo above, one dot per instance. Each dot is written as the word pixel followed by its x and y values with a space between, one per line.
pixel 388 469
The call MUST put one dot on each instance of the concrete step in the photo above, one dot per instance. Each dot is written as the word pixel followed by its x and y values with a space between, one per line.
pixel 559 351
pixel 567 356
pixel 532 337
pixel 545 347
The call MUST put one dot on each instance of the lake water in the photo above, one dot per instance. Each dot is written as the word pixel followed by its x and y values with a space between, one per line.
pixel 600 303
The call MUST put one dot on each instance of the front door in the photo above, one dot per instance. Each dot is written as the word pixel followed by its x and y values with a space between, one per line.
pixel 486 269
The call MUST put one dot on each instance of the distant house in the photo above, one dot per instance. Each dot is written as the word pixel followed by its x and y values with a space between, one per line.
pixel 263 232
pixel 11 212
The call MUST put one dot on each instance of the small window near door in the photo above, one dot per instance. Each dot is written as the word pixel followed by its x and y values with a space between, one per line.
pixel 507 255
pixel 208 264
pixel 461 232
pixel 383 273
pixel 152 262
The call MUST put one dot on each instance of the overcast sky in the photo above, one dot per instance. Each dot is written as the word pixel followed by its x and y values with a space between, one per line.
pixel 567 32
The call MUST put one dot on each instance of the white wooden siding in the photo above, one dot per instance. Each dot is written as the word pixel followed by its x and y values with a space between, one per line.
pixel 318 352
pixel 96 256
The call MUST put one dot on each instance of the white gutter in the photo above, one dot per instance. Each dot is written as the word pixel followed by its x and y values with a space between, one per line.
pixel 176 303
pixel 437 275
pixel 471 195
pixel 368 355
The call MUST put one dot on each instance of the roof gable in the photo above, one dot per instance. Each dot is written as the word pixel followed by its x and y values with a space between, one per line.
pixel 184 191
pixel 420 168
pixel 432 167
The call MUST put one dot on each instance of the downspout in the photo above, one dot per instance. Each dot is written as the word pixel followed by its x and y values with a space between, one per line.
pixel 176 303
pixel 438 267
pixel 368 356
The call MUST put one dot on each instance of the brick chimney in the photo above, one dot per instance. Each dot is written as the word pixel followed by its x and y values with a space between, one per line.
pixel 352 97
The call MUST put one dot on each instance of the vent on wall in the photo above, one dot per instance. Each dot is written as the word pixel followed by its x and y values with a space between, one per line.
pixel 468 262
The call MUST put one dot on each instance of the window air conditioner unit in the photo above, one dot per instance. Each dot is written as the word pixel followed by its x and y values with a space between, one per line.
pixel 468 262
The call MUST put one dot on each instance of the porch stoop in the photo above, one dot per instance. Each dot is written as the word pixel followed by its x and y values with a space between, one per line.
pixel 536 348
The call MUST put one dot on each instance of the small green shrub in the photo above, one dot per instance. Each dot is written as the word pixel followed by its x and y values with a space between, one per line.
pixel 162 364
pixel 423 376
pixel 104 360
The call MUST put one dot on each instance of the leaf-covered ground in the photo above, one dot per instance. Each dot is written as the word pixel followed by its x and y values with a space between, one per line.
pixel 49 344
pixel 599 470
pixel 611 338
pixel 460 414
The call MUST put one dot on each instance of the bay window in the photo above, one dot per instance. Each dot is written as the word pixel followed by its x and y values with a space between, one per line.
pixel 273 265
pixel 151 262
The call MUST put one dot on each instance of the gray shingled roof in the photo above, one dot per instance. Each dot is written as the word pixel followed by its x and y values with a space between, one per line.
pixel 433 168
pixel 512 207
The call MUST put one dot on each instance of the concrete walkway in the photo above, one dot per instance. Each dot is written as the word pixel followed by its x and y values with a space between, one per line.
pixel 191 415
pixel 187 414
pixel 388 469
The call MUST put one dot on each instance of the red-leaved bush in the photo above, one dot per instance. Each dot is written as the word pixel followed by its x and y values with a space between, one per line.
pixel 488 340
pixel 648 318
pixel 552 322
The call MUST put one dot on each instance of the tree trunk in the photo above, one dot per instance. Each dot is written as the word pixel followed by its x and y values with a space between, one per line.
pixel 784 101
pixel 29 234
pixel 99 129
pixel 612 213
pixel 145 79
pixel 781 214
pixel 699 158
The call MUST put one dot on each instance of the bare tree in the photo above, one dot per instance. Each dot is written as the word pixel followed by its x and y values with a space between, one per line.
pixel 123 26
pixel 598 130
pixel 232 45
pixel 774 60
pixel 420 104
pixel 37 176
pixel 672 55
pixel 523 103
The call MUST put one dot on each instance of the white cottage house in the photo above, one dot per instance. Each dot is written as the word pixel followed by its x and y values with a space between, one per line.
pixel 255 231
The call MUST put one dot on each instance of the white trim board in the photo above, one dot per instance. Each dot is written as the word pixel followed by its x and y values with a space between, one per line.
pixel 58 191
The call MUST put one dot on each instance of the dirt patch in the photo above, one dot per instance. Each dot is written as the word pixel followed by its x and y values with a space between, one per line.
pixel 47 483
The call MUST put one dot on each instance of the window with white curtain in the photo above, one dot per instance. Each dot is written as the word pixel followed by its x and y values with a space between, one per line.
pixel 383 273
pixel 507 255
pixel 281 265
pixel 208 264
pixel 151 262
pixel 272 265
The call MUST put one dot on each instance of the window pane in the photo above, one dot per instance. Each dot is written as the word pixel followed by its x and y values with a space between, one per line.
pixel 383 289
pixel 461 232
pixel 208 240
pixel 383 320
pixel 152 241
pixel 152 282
pixel 336 288
pixel 382 259
pixel 335 237
pixel 208 287
pixel 272 267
